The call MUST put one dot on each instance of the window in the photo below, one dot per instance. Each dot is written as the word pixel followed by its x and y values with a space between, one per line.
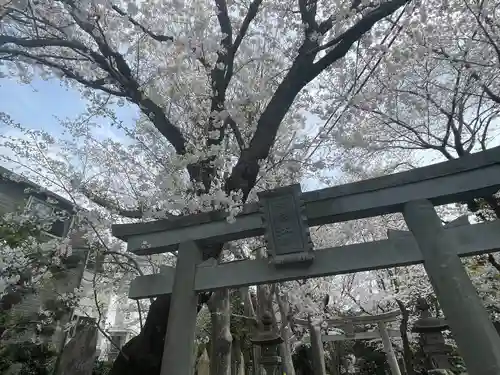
pixel 45 211
pixel 40 209
pixel 119 339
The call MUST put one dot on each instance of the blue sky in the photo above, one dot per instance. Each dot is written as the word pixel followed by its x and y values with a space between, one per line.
pixel 38 105
pixel 35 105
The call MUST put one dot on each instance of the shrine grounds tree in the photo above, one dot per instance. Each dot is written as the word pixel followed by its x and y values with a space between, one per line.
pixel 28 263
pixel 226 90
pixel 435 94
pixel 434 89
pixel 432 96
pixel 217 81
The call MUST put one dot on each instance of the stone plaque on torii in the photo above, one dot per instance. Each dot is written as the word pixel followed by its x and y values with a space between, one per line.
pixel 291 257
pixel 287 233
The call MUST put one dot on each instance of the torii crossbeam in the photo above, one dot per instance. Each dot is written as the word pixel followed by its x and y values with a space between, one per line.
pixel 400 249
pixel 284 217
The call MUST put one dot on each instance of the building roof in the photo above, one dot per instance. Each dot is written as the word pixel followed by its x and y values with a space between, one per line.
pixel 13 177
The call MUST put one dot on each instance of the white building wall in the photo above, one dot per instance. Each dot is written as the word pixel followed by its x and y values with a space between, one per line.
pixel 116 315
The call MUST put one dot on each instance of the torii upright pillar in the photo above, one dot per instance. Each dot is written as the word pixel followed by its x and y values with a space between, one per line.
pixel 477 339
pixel 392 360
pixel 181 329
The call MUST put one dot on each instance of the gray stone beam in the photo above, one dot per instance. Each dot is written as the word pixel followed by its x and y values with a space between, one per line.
pixel 402 250
pixel 360 336
pixel 354 320
pixel 456 180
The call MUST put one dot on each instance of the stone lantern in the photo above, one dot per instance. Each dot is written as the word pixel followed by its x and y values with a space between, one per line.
pixel 430 329
pixel 269 342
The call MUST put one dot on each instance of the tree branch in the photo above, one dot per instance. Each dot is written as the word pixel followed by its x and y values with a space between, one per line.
pixel 122 75
pixel 225 24
pixel 355 32
pixel 108 205
pixel 493 262
pixel 42 42
pixel 483 28
pixel 244 174
pixel 157 37
pixel 494 97
pixel 220 76
pixel 307 9
pixel 6 10
pixel 252 13
pixel 236 132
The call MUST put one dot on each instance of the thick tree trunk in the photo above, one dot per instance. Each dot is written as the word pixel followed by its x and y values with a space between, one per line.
pixel 238 364
pixel 221 338
pixel 285 330
pixel 336 359
pixel 403 328
pixel 244 174
pixel 250 304
pixel 203 363
pixel 142 354
pixel 317 351
pixel 286 352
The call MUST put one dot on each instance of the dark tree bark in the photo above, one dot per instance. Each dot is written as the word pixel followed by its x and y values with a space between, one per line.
pixel 336 367
pixel 237 364
pixel 403 328
pixel 143 353
pixel 317 351
pixel 221 338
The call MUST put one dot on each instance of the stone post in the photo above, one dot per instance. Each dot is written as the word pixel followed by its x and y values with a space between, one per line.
pixel 181 329
pixel 388 349
pixel 478 342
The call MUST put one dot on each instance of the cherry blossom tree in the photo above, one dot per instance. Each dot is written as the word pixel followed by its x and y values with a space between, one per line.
pixel 221 88
pixel 28 264
pixel 431 88
pixel 97 158
pixel 226 92
pixel 123 164
pixel 432 95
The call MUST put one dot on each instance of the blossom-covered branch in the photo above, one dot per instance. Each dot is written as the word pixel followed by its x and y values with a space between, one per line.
pixel 302 71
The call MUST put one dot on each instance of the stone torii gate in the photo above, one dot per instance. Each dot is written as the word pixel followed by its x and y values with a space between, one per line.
pixel 347 325
pixel 284 216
